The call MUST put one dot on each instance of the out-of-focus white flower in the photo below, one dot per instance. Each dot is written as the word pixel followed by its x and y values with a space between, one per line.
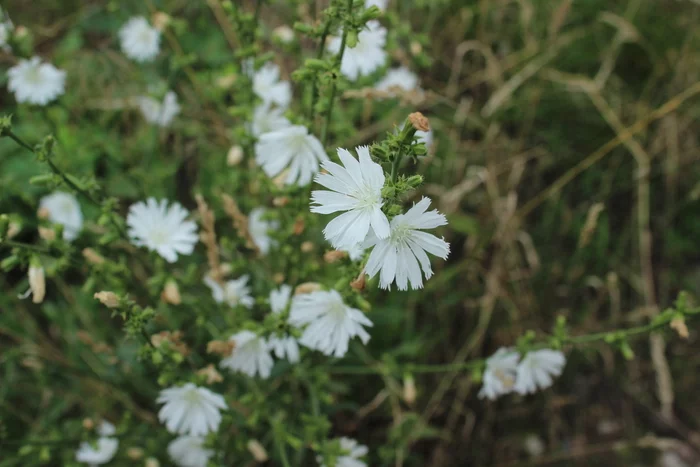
pixel 538 369
pixel 159 113
pixel 233 293
pixel 37 282
pixel 425 137
pixel 399 80
pixel 189 451
pixel 161 228
pixel 283 33
pixel 283 346
pixel 101 452
pixel 356 189
pixel 35 82
pixel 402 255
pixel 356 253
pixel 139 40
pixel 259 229
pixel 352 450
pixel 293 148
pixel 64 209
pixel 533 445
pixel 190 410
pixel 330 323
pixel 367 55
pixel 279 299
pixel 381 4
pixel 6 28
pixel 268 87
pixel 500 374
pixel 267 119
pixel 250 355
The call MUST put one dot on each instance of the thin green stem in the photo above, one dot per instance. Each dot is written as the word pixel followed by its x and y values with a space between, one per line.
pixel 395 167
pixel 280 448
pixel 319 55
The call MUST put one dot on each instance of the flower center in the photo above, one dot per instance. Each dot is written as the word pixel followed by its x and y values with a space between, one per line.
pixel 367 198
pixel 505 377
pixel 399 234
pixel 144 36
pixel 192 396
pixel 33 75
pixel 158 236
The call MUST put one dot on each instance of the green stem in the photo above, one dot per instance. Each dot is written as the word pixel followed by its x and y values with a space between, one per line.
pixel 319 55
pixel 395 167
pixel 280 448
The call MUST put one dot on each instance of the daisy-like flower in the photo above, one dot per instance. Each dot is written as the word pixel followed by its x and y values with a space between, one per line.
pixel 233 293
pixel 64 209
pixel 330 323
pixel 367 55
pixel 356 189
pixel 161 228
pixel 402 255
pixel 283 346
pixel 159 113
pixel 499 377
pixel 398 81
pixel 293 148
pixel 267 119
pixel 268 87
pixel 352 452
pixel 35 82
pixel 259 229
pixel 537 370
pixel 139 40
pixel 189 451
pixel 190 410
pixel 250 355
pixel 101 452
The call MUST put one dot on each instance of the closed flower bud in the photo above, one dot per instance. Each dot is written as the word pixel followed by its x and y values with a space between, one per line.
pixel 152 462
pixel 92 256
pixel 134 453
pixel 678 325
pixel 108 299
pixel 283 33
pixel 235 156
pixel 299 226
pixel 257 451
pixel 351 40
pixel 88 423
pixel 42 213
pixel 160 20
pixel 360 282
pixel 211 374
pixel 47 234
pixel 280 201
pixel 334 256
pixel 409 389
pixel 278 278
pixel 223 348
pixel 37 282
pixel 307 247
pixel 419 121
pixel 307 287
pixel 13 229
pixel 171 293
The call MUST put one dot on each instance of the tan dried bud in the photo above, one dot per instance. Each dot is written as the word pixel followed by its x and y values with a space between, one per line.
pixel 307 287
pixel 92 256
pixel 223 348
pixel 360 282
pixel 43 213
pixel 419 121
pixel 409 389
pixel 678 325
pixel 258 451
pixel 225 269
pixel 174 340
pixel 212 375
pixel 280 201
pixel 416 48
pixel 225 82
pixel 160 20
pixel 13 229
pixel 278 278
pixel 32 362
pixel 307 247
pixel 108 299
pixel 152 462
pixel 134 453
pixel 234 156
pixel 334 256
pixel 88 423
pixel 47 234
pixel 21 32
pixel 37 283
pixel 283 33
pixel 171 293
pixel 299 226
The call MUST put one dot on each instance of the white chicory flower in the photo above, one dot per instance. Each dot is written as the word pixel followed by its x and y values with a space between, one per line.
pixel 139 40
pixel 190 410
pixel 35 82
pixel 63 208
pixel 537 370
pixel 292 148
pixel 367 55
pixel 500 374
pixel 250 355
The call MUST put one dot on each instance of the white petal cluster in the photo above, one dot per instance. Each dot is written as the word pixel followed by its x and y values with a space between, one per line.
pixel 268 86
pixel 159 113
pixel 328 322
pixel 283 346
pixel 352 452
pixel 399 81
pixel 381 4
pixel 402 255
pixel 367 55
pixel 506 372
pixel 161 228
pixel 139 40
pixel 267 118
pixel 292 148
pixel 189 451
pixel 260 228
pixel 64 209
pixel 356 189
pixel 35 82
pixel 190 410
pixel 101 452
pixel 251 355
pixel 234 292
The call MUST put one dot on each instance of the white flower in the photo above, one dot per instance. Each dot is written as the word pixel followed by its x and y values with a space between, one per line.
pixel 399 80
pixel 267 119
pixel 367 55
pixel 331 323
pixel 381 4
pixel 425 137
pixel 159 113
pixel 355 253
pixel 268 87
pixel 402 255
pixel 101 452
pixel 190 410
pixel 189 451
pixel 352 452
pixel 499 377
pixel 293 148
pixel 162 229
pixel 250 356
pixel 283 33
pixel 139 40
pixel 64 209
pixel 259 229
pixel 233 293
pixel 37 283
pixel 35 82
pixel 537 370
pixel 357 189
pixel 283 346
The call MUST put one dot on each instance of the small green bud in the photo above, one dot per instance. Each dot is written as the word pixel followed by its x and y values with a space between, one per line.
pixel 303 28
pixel 5 125
pixel 371 13
pixel 395 210
pixel 388 192
pixel 351 39
pixel 4 226
pixel 626 350
pixel 414 181
pixel 9 263
pixel 46 148
pixel 41 180
pixel 316 64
